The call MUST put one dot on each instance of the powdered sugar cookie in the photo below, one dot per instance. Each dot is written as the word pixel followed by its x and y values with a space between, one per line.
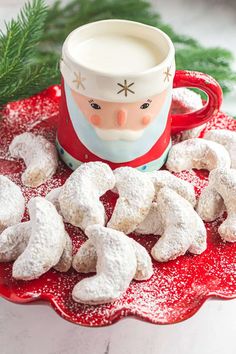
pixel 185 101
pixel 14 240
pixel 65 261
pixel 183 230
pixel 39 155
pixel 210 204
pixel 46 244
pixel 224 182
pixel 227 138
pixel 85 260
pixel 53 197
pixel 12 203
pixel 79 197
pixel 119 260
pixel 144 268
pixel 199 154
pixel 185 189
pixel 152 223
pixel 136 193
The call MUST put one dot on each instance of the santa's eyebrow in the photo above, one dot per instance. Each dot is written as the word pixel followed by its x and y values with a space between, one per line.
pixel 90 101
pixel 149 100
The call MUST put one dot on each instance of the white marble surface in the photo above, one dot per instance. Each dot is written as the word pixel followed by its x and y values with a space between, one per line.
pixel 36 329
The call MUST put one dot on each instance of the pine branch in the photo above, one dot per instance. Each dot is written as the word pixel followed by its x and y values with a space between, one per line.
pixel 18 52
pixel 23 34
pixel 213 61
pixel 35 79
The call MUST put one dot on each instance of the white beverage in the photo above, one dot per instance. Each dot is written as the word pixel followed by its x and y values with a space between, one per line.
pixel 114 53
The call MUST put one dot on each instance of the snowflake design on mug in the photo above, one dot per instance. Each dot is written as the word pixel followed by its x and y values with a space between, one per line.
pixel 126 88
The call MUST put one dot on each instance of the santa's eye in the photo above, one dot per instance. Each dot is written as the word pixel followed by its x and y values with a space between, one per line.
pixel 144 105
pixel 95 105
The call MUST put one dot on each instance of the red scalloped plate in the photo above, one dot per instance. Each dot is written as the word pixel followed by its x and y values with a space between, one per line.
pixel 176 290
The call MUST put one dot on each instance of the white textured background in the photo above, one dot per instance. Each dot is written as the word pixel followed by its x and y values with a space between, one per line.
pixel 36 329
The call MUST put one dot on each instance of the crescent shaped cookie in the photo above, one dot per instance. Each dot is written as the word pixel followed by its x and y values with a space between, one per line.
pixel 118 260
pixel 185 189
pixel 152 223
pixel 136 192
pixel 197 153
pixel 210 204
pixel 182 228
pixel 14 240
pixel 85 260
pixel 46 244
pixel 79 196
pixel 53 197
pixel 223 180
pixel 39 155
pixel 227 138
pixel 65 261
pixel 12 203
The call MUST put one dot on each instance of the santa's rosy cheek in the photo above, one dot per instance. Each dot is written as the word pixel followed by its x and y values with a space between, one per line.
pixel 146 120
pixel 95 120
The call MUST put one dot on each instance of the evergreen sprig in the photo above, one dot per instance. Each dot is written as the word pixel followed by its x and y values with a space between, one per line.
pixel 31 45
pixel 21 74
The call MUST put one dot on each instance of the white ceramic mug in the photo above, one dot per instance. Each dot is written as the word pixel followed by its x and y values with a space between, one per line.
pixel 117 81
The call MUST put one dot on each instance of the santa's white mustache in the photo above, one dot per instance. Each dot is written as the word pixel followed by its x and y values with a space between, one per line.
pixel 119 134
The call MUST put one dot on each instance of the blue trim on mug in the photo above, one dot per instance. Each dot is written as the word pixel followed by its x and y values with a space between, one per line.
pixel 72 163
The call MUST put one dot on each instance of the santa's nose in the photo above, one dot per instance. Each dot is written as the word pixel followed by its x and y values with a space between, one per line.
pixel 121 118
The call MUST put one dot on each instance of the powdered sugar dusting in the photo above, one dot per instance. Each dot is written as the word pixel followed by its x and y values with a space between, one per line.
pixel 177 288
pixel 46 244
pixel 227 138
pixel 185 101
pixel 12 203
pixel 79 197
pixel 136 193
pixel 39 155
pixel 180 227
pixel 197 153
pixel 116 267
pixel 224 182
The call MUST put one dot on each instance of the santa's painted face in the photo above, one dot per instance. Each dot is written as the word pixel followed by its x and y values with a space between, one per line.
pixel 120 121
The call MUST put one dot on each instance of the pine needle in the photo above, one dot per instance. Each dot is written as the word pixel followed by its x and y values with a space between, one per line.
pixel 18 51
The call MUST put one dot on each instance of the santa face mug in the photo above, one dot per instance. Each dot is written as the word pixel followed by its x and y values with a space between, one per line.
pixel 117 82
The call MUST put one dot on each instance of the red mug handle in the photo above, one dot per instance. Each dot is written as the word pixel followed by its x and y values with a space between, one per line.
pixel 204 82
